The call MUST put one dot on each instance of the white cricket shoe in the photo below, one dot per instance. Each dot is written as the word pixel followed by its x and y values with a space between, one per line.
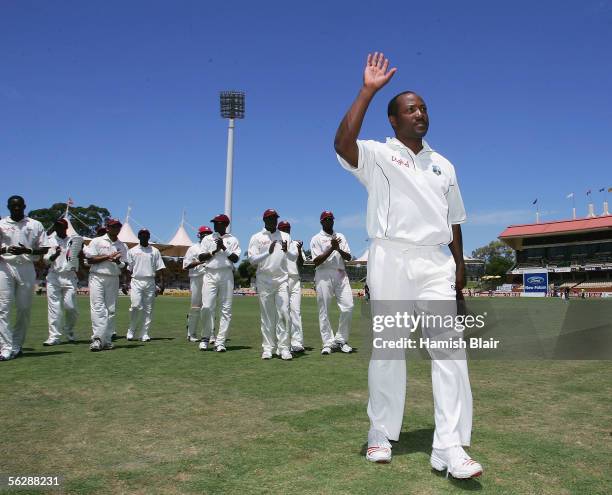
pixel 203 345
pixel 50 341
pixel 456 462
pixel 108 346
pixel 96 345
pixel 191 338
pixel 286 355
pixel 71 337
pixel 212 339
pixel 347 349
pixel 145 338
pixel 379 448
pixel 297 349
pixel 129 335
pixel 266 355
pixel 220 348
pixel 326 350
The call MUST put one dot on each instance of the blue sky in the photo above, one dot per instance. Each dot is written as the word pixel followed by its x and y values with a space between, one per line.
pixel 114 103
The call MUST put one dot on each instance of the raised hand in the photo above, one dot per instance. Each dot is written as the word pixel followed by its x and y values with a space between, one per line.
pixel 375 75
pixel 272 245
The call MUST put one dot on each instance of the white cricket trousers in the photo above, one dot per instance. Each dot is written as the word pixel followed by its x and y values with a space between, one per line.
pixel 16 285
pixel 218 286
pixel 296 334
pixel 274 305
pixel 62 308
pixel 103 293
pixel 399 271
pixel 331 282
pixel 193 318
pixel 142 298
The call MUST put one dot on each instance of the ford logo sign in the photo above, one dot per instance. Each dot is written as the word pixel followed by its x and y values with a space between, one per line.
pixel 535 280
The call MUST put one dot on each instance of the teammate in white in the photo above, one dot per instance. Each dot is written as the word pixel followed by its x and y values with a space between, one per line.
pixel 414 211
pixel 107 257
pixel 269 250
pixel 21 238
pixel 145 263
pixel 196 269
pixel 329 251
pixel 219 251
pixel 62 284
pixel 296 335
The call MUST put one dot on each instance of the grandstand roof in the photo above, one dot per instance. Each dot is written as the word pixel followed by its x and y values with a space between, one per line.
pixel 555 228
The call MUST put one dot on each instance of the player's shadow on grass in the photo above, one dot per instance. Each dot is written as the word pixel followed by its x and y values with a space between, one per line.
pixel 127 346
pixel 39 354
pixel 410 442
pixel 162 338
pixel 471 484
pixel 230 348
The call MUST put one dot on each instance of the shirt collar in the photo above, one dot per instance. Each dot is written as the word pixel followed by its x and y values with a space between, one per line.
pixel 9 219
pixel 105 236
pixel 325 234
pixel 395 143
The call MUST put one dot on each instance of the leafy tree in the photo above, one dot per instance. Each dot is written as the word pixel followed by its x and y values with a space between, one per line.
pixel 495 249
pixel 498 266
pixel 498 257
pixel 245 273
pixel 85 223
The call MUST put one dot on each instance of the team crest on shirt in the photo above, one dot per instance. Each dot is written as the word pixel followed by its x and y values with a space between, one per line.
pixel 436 170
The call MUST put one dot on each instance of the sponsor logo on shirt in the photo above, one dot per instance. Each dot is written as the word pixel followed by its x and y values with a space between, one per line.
pixel 399 161
pixel 436 170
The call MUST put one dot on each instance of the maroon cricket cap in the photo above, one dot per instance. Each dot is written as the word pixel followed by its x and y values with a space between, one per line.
pixel 270 212
pixel 142 231
pixel 326 214
pixel 203 229
pixel 284 224
pixel 221 218
pixel 113 221
pixel 62 221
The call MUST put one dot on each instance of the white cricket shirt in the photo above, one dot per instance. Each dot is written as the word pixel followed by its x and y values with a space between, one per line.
pixel 144 262
pixel 411 198
pixel 60 264
pixel 220 260
pixel 321 243
pixel 26 231
pixel 292 267
pixel 103 246
pixel 272 265
pixel 192 255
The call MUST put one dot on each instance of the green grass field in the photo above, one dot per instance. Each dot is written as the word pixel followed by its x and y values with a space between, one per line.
pixel 163 417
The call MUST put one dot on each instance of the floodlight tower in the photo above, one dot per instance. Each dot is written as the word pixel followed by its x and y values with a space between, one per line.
pixel 232 107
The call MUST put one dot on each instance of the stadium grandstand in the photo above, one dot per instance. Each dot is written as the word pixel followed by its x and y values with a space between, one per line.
pixel 577 254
